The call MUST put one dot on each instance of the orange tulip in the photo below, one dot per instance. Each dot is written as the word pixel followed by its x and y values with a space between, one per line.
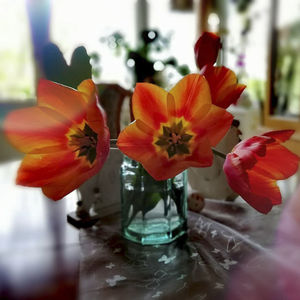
pixel 223 84
pixel 64 137
pixel 254 166
pixel 176 130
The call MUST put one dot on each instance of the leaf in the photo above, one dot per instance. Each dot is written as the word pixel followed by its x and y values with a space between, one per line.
pixel 141 200
pixel 150 201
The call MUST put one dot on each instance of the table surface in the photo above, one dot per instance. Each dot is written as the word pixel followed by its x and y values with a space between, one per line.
pixel 44 257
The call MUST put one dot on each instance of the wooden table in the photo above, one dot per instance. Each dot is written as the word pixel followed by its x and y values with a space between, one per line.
pixel 42 257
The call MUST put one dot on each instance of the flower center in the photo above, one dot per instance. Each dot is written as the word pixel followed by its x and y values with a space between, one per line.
pixel 85 142
pixel 174 139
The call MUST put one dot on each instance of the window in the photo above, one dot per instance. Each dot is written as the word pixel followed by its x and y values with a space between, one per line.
pixel 77 22
pixel 16 63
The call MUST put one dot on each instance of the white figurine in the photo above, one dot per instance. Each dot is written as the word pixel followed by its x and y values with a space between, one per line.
pixel 100 195
pixel 211 182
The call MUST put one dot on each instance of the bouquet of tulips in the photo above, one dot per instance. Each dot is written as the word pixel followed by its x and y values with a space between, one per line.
pixel 66 139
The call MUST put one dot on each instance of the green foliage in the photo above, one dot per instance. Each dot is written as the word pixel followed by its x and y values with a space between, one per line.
pixel 147 193
pixel 257 89
pixel 242 5
pixel 143 65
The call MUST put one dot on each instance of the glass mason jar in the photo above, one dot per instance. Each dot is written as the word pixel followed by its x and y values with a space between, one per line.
pixel 152 212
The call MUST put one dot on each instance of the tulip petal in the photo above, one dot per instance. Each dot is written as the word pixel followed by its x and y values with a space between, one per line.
pixel 40 169
pixel 254 166
pixel 214 125
pixel 264 187
pixel 180 139
pixel 280 135
pixel 66 182
pixel 206 49
pixel 60 173
pixel 259 202
pixel 279 163
pixel 192 97
pixel 136 143
pixel 236 176
pixel 103 147
pixel 256 145
pixel 202 155
pixel 149 103
pixel 96 116
pixel 36 130
pixel 64 100
pixel 63 186
pixel 223 85
pixel 171 106
pixel 65 137
pixel 162 168
pixel 241 183
pixel 88 90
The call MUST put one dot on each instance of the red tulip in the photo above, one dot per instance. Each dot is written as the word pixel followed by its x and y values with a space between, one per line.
pixel 206 49
pixel 175 130
pixel 254 166
pixel 64 137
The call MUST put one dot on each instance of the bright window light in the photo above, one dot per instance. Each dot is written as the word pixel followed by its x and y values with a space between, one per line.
pixel 16 63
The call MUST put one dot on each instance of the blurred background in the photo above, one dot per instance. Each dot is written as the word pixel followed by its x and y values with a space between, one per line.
pixel 122 42
pixel 119 43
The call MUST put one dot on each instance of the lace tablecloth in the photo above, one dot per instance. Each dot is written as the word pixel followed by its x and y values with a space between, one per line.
pixel 223 242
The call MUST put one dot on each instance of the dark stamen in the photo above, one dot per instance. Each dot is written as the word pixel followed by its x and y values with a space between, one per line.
pixel 85 143
pixel 174 140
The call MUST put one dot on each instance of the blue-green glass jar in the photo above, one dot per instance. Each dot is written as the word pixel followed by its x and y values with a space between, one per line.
pixel 152 212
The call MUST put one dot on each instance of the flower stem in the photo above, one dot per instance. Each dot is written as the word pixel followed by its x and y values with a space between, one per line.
pixel 218 153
